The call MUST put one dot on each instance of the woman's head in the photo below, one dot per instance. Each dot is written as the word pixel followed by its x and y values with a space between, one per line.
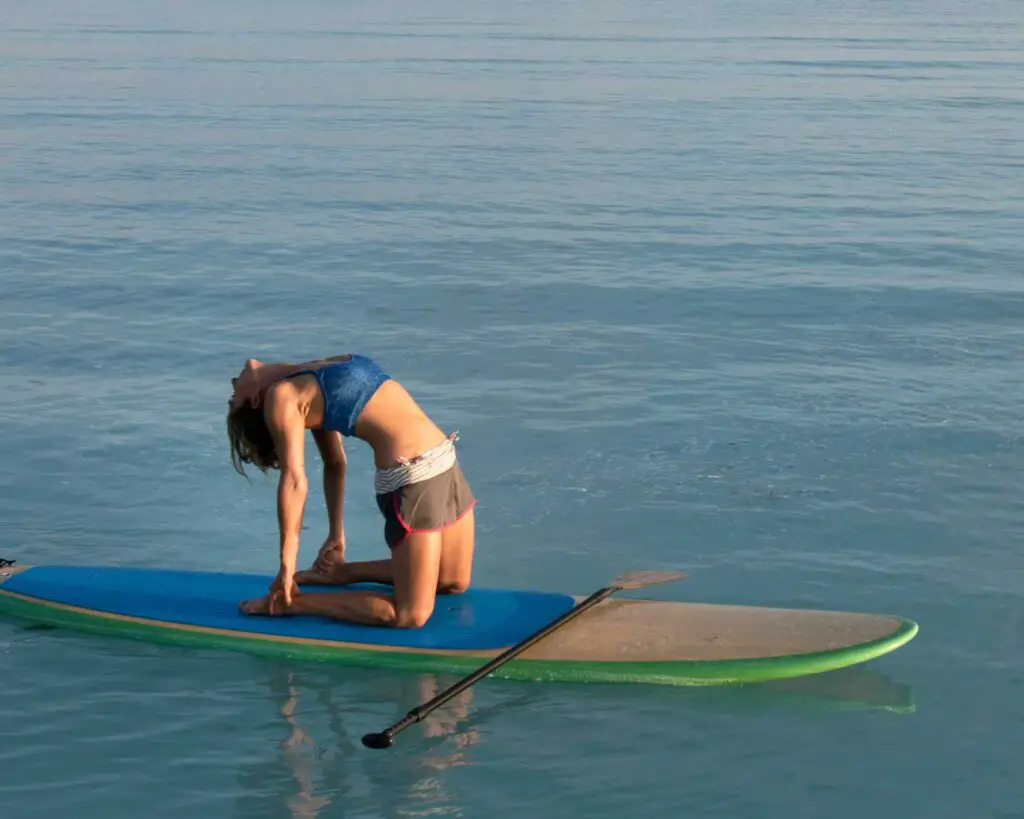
pixel 250 439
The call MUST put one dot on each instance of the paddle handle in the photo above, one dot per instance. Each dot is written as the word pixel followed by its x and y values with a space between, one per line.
pixel 386 737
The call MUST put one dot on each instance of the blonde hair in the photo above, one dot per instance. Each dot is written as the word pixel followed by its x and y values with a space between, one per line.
pixel 250 440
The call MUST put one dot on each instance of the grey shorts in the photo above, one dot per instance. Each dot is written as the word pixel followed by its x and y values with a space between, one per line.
pixel 430 505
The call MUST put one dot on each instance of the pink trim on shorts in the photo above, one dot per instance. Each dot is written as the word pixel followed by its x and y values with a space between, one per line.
pixel 410 531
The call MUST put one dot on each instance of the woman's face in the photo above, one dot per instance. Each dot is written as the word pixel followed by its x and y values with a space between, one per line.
pixel 243 385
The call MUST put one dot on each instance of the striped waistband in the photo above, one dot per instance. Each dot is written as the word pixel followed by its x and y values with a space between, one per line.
pixel 429 464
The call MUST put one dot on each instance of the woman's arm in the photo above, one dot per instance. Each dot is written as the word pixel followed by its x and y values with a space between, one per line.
pixel 267 374
pixel 286 425
pixel 332 451
pixel 257 377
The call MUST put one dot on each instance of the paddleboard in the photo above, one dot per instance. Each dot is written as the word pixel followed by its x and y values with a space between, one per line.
pixel 618 640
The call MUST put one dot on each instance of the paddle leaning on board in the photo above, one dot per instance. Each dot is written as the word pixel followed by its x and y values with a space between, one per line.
pixel 634 580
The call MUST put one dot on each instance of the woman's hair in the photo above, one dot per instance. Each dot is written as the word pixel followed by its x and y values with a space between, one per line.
pixel 250 439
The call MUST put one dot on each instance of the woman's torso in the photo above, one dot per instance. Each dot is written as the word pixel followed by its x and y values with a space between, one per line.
pixel 358 399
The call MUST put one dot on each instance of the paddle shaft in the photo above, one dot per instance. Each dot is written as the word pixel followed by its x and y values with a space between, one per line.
pixel 385 738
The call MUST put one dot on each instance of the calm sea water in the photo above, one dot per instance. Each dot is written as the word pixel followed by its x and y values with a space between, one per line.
pixel 730 287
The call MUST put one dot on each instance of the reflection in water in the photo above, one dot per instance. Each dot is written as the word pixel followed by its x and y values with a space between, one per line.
pixel 446 721
pixel 319 767
pixel 300 777
pixel 847 688
pixel 303 803
pixel 857 688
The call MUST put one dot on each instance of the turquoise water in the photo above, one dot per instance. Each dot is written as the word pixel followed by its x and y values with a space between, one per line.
pixel 734 288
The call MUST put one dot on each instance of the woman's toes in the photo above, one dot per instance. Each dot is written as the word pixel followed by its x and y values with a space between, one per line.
pixel 258 605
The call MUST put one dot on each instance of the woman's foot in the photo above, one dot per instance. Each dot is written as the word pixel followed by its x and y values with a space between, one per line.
pixel 269 604
pixel 335 574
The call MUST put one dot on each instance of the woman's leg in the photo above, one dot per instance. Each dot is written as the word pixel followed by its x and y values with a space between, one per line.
pixel 454 575
pixel 414 569
pixel 457 546
pixel 423 563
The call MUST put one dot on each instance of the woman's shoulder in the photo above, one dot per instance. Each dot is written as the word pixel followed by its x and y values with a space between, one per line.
pixel 283 398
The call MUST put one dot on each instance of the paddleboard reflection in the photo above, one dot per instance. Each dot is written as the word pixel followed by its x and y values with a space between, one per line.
pixel 320 761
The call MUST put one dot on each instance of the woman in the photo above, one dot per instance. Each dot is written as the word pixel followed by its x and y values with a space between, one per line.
pixel 421 491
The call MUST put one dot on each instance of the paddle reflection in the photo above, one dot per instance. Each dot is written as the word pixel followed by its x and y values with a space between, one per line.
pixel 448 721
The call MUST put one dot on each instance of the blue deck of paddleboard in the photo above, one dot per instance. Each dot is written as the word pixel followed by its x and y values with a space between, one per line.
pixel 479 619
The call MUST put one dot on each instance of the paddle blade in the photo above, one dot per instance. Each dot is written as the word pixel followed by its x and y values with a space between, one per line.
pixel 378 741
pixel 636 580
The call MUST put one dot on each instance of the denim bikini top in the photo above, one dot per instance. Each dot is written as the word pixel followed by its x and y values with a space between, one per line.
pixel 346 387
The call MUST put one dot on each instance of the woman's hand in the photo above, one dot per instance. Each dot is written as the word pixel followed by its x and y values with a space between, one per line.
pixel 331 554
pixel 283 588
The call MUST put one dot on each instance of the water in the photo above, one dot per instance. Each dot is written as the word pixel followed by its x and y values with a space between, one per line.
pixel 731 287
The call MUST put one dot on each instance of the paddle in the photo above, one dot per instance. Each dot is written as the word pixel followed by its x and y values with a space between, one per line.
pixel 632 580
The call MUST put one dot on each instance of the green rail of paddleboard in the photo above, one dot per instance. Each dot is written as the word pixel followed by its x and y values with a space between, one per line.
pixel 678 672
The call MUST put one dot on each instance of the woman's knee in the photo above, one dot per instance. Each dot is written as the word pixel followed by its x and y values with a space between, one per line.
pixel 454 586
pixel 412 616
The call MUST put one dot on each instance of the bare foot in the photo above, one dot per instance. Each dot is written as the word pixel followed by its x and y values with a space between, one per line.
pixel 336 575
pixel 270 604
